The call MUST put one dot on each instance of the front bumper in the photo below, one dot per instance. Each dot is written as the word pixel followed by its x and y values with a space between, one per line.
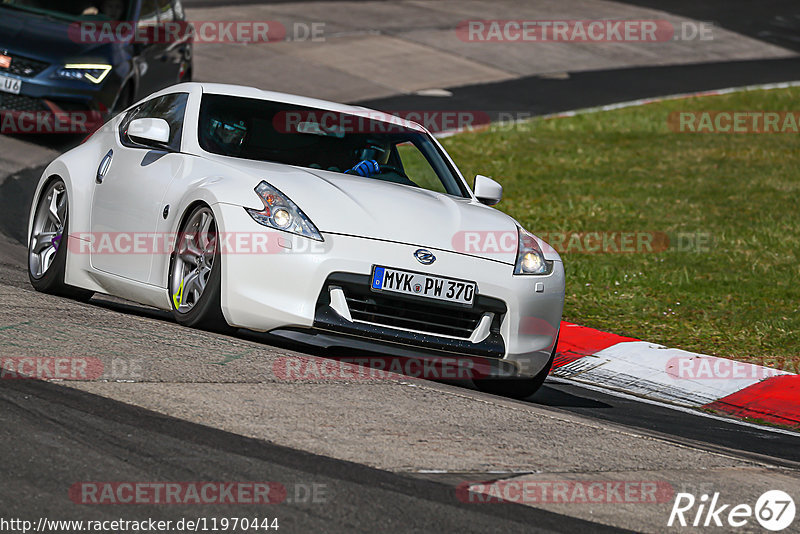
pixel 289 289
pixel 347 305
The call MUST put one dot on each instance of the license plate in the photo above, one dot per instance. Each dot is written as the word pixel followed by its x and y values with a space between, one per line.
pixel 423 285
pixel 10 85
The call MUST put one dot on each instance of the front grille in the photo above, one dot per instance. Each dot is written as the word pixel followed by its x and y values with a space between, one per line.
pixel 9 102
pixel 427 325
pixel 25 67
pixel 412 313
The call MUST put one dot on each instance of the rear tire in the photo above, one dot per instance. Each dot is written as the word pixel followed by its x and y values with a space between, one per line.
pixel 517 388
pixel 195 282
pixel 48 244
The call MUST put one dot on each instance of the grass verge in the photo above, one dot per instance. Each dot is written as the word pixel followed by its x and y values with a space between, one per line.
pixel 731 286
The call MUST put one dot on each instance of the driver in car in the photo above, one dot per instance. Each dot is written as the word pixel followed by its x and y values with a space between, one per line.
pixel 227 134
pixel 370 158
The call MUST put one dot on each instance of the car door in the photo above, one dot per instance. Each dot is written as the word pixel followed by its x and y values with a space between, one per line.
pixel 128 193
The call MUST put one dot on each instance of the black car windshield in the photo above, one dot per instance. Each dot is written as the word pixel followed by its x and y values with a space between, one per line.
pixel 74 9
pixel 327 140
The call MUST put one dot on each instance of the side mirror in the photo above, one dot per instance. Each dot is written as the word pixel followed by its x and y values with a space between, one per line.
pixel 487 190
pixel 149 131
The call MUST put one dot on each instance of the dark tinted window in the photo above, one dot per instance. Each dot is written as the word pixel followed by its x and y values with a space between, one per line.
pixel 171 108
pixel 319 139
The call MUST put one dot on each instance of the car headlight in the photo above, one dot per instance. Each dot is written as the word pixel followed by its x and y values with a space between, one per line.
pixel 79 71
pixel 530 259
pixel 282 214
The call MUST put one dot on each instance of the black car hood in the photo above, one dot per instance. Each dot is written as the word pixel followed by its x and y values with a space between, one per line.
pixel 46 39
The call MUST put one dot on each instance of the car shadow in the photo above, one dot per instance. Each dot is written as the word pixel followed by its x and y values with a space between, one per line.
pixel 550 395
pixel 16 196
pixel 130 308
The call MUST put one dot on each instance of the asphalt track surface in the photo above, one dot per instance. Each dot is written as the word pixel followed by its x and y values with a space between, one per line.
pixel 51 436
pixel 774 21
pixel 666 422
pixel 535 95
pixel 50 432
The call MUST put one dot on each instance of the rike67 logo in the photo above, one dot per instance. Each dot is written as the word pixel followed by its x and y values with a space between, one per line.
pixel 774 510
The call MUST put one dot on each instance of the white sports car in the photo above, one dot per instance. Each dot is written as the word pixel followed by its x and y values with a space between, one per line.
pixel 337 225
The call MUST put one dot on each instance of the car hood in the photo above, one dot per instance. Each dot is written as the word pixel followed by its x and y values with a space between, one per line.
pixel 43 38
pixel 371 208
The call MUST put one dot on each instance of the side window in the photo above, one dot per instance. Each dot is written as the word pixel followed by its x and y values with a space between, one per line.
pixel 418 169
pixel 171 108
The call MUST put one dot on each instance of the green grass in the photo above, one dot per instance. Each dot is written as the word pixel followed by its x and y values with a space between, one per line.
pixel 625 170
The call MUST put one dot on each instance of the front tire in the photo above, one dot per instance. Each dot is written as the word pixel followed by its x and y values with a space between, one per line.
pixel 517 388
pixel 195 282
pixel 48 243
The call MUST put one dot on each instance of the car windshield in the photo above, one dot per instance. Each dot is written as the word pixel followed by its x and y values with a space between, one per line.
pixel 74 9
pixel 327 140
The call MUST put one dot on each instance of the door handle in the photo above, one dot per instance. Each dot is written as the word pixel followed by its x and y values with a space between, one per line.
pixel 105 164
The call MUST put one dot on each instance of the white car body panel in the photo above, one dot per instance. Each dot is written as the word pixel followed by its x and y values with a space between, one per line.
pixel 118 207
pixel 363 222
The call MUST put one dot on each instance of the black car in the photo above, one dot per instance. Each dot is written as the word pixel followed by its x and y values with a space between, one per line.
pixel 89 57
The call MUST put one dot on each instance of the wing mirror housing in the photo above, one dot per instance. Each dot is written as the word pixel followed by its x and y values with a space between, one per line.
pixel 150 132
pixel 487 190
